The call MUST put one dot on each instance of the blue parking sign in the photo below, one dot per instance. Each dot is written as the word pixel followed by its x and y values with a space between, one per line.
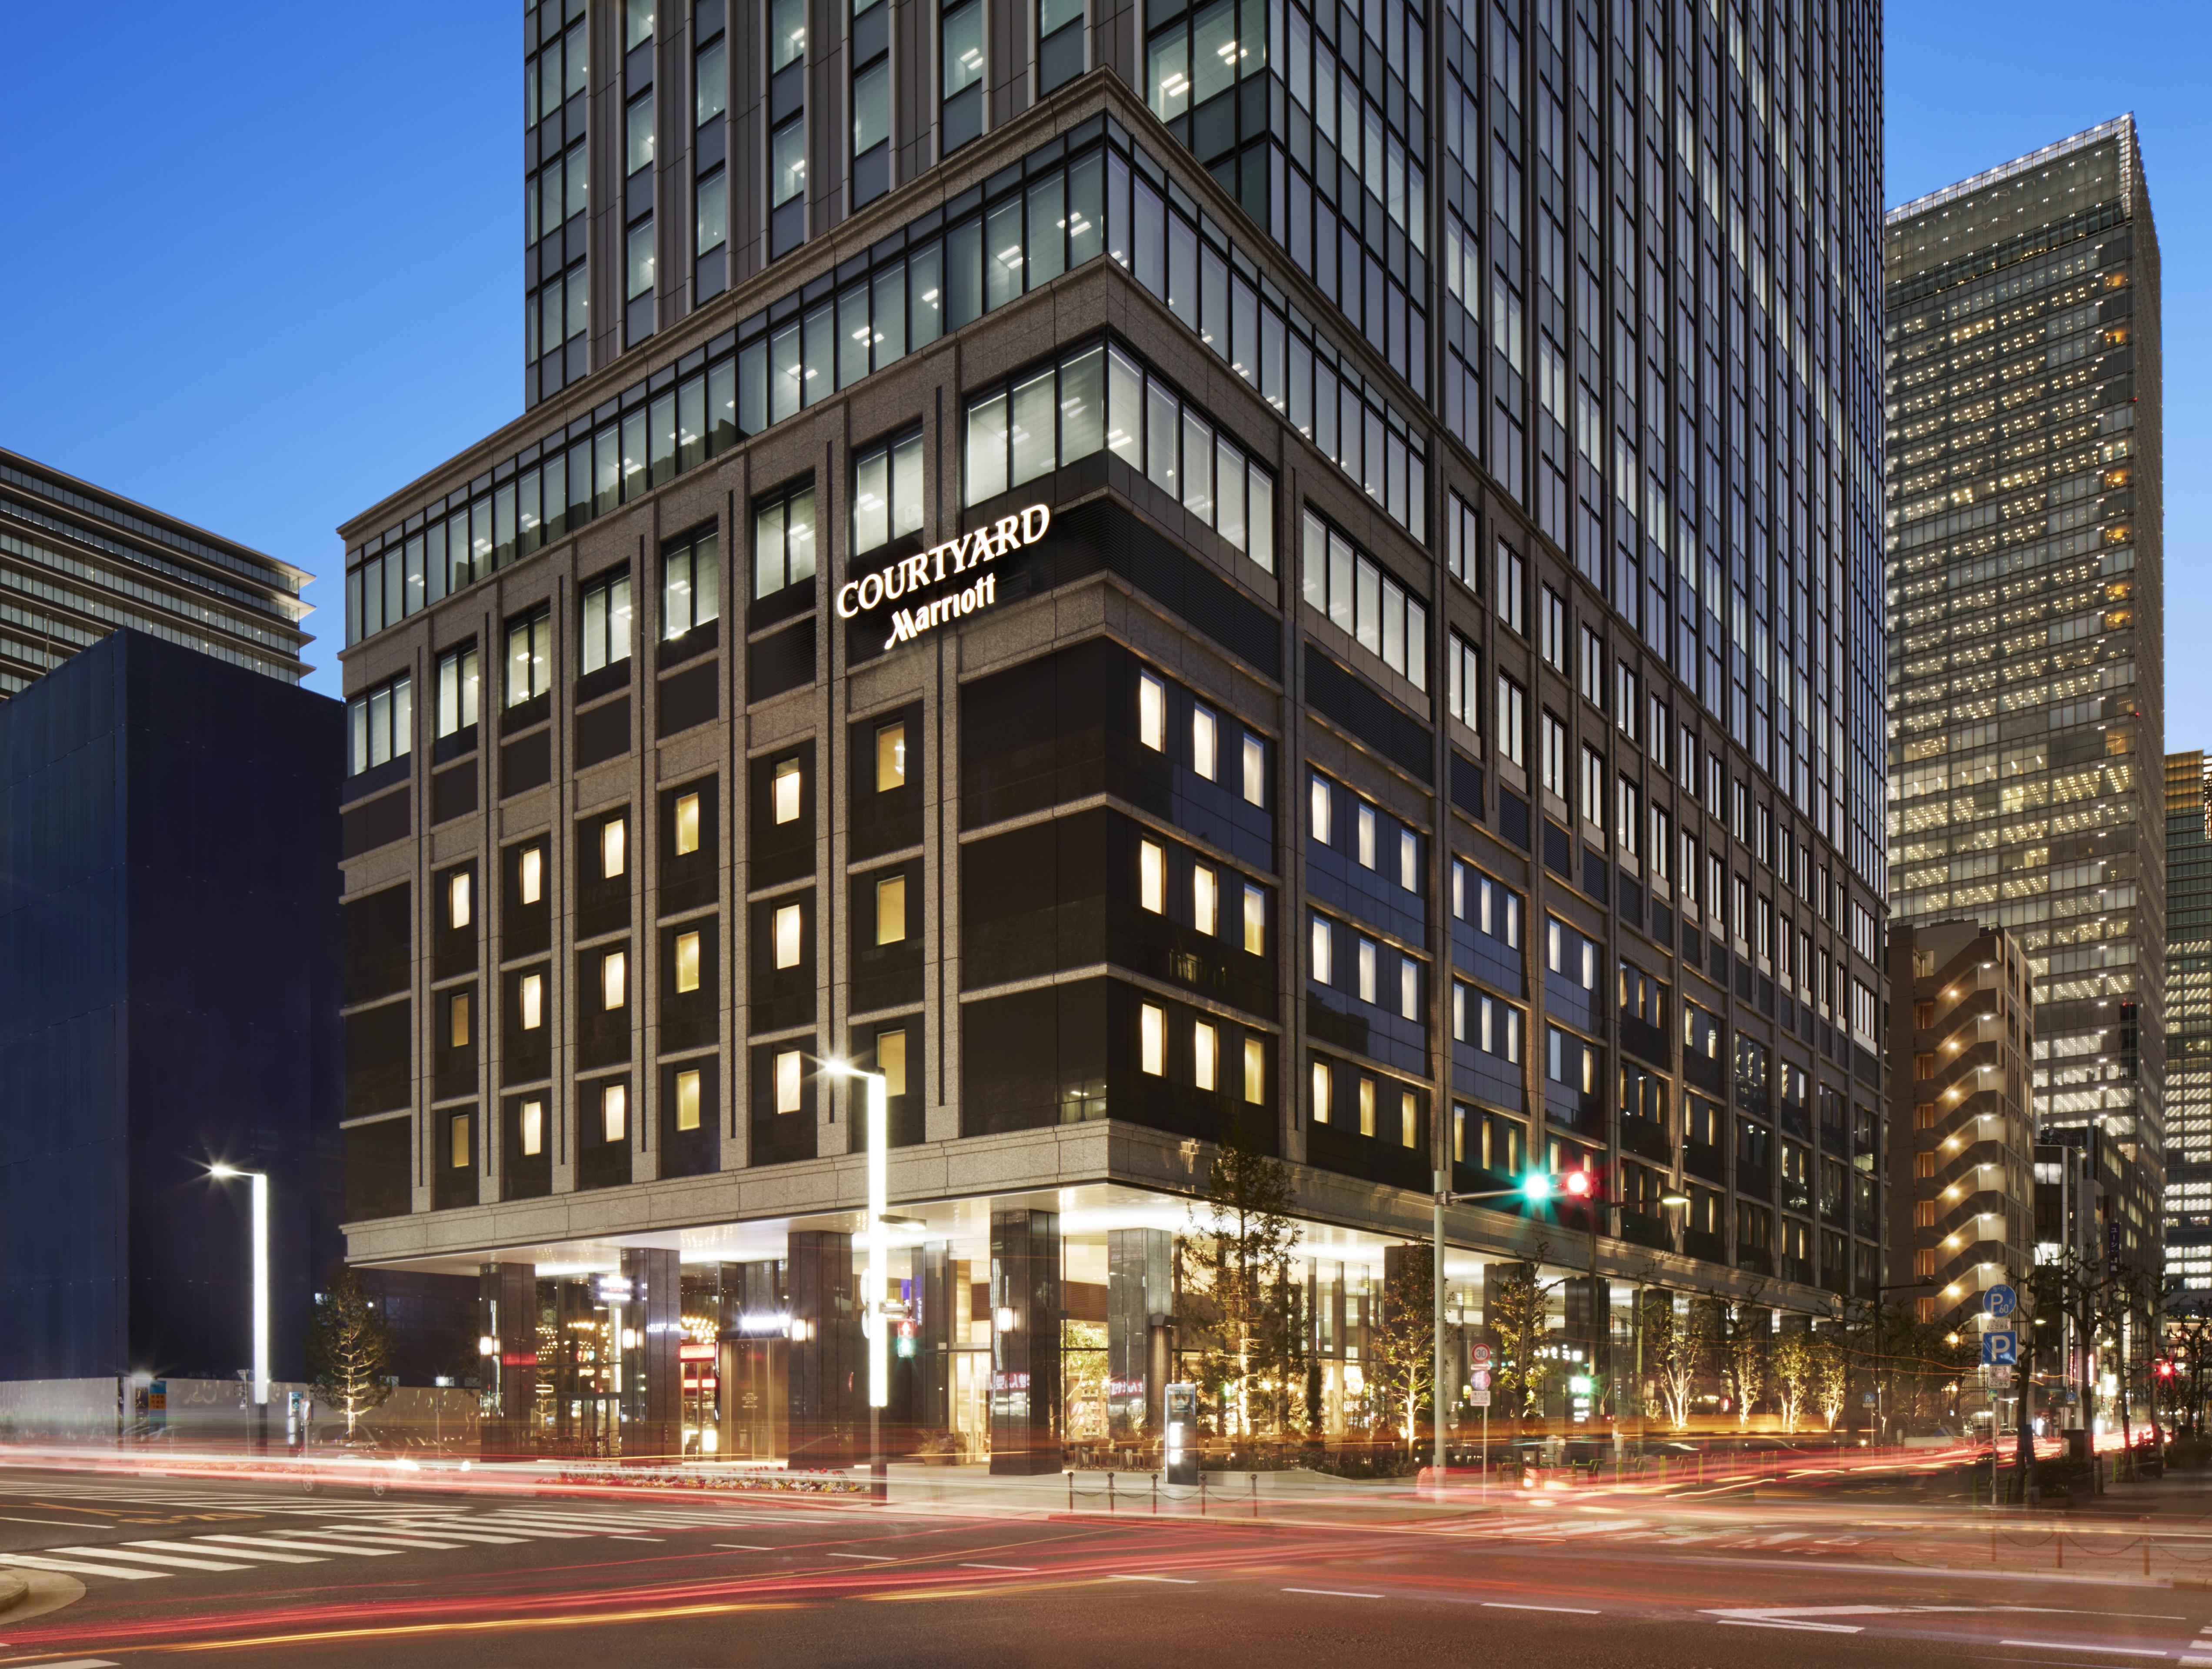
pixel 2001 1299
pixel 1999 1349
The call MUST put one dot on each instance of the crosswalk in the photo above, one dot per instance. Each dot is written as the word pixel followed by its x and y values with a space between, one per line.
pixel 389 1535
pixel 1631 1531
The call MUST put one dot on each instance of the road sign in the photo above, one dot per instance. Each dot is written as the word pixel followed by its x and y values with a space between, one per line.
pixel 2001 1299
pixel 2000 1378
pixel 1479 1379
pixel 1478 1399
pixel 1999 1349
pixel 1479 1356
pixel 1869 1399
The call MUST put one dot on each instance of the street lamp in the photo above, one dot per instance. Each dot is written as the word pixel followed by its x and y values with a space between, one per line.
pixel 259 1209
pixel 872 1310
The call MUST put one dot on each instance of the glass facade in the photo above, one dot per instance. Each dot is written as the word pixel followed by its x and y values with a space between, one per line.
pixel 2026 608
pixel 2188 1206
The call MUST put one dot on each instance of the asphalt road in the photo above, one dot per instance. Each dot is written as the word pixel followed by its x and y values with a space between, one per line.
pixel 130 1571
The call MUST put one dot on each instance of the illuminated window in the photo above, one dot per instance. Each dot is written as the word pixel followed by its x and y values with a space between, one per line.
pixel 1255 922
pixel 1151 877
pixel 1367 953
pixel 1255 1071
pixel 1255 771
pixel 614 980
pixel 1205 899
pixel 890 910
pixel 457 900
pixel 687 1099
pixel 614 847
pixel 1205 751
pixel 891 757
pixel 531 1133
pixel 890 1060
pixel 1367 1106
pixel 1409 861
pixel 1324 948
pixel 687 961
pixel 457 1021
pixel 530 877
pixel 1319 799
pixel 786 790
pixel 457 1141
pixel 1321 1088
pixel 532 992
pixel 687 824
pixel 1409 1119
pixel 614 1110
pixel 1203 1045
pixel 1152 713
pixel 1152 1039
pixel 1366 835
pixel 788 916
pixel 787 1064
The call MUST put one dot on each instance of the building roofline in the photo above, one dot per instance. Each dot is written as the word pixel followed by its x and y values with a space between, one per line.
pixel 2122 125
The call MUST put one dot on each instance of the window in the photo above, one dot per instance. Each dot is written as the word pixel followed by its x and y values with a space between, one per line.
pixel 614 980
pixel 1324 952
pixel 1461 554
pixel 1321 1092
pixel 891 757
pixel 1463 681
pixel 1255 1071
pixel 1923 1263
pixel 614 847
pixel 788 1066
pixel 1322 823
pixel 687 1099
pixel 787 64
pixel 1366 1105
pixel 1552 755
pixel 606 622
pixel 1409 1118
pixel 687 824
pixel 458 685
pixel 1343 583
pixel 1663 844
pixel 1255 922
pixel 1510 738
pixel 890 910
pixel 1203 1045
pixel 530 1130
pixel 1205 900
pixel 1363 830
pixel 687 961
pixel 1152 1039
pixel 1923 1214
pixel 457 1020
pixel 690 592
pixel 614 1112
pixel 1593 668
pixel 530 874
pixel 1512 588
pixel 961 56
pixel 458 899
pixel 458 1146
pixel 1923 1166
pixel 1628 818
pixel 1255 770
pixel 1409 989
pixel 1152 713
pixel 381 725
pixel 886 491
pixel 787 921
pixel 872 101
pixel 890 1059
pixel 1151 877
pixel 529 652
pixel 1367 956
pixel 786 790
pixel 1409 861
pixel 530 989
pixel 1552 628
pixel 1060 43
pixel 1204 745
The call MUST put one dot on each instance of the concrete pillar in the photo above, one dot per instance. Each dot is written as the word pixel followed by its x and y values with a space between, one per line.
pixel 1025 1411
pixel 933 1340
pixel 1139 1297
pixel 508 1310
pixel 827 1367
pixel 652 1376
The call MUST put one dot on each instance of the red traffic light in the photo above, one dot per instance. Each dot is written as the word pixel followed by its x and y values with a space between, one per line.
pixel 1580 1184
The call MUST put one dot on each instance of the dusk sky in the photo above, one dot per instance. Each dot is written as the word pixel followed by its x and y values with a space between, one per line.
pixel 266 274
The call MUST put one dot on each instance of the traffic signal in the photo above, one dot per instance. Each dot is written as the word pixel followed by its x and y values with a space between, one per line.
pixel 1581 1184
pixel 1536 1187
pixel 2165 1370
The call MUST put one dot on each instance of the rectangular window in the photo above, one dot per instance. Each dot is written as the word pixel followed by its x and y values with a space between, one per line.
pixel 710 213
pixel 886 491
pixel 614 847
pixel 1324 948
pixel 458 899
pixel 1255 1071
pixel 787 168
pixel 1152 1039
pixel 458 690
pixel 1255 922
pixel 1205 899
pixel 606 622
pixel 1204 1044
pixel 690 582
pixel 1357 596
pixel 1367 955
pixel 1323 830
pixel 871 100
pixel 788 917
pixel 687 961
pixel 381 725
pixel 530 874
pixel 1364 833
pixel 532 992
pixel 1552 753
pixel 1151 877
pixel 614 1112
pixel 1552 628
pixel 1255 770
pixel 1321 1092
pixel 783 540
pixel 1512 587
pixel 1366 1105
pixel 687 1099
pixel 789 1065
pixel 890 910
pixel 457 1141
pixel 457 1020
pixel 786 790
pixel 531 1131
pixel 528 657
pixel 891 757
pixel 960 59
pixel 1152 713
pixel 614 980
pixel 1059 42
pixel 687 824
pixel 890 1059
pixel 1463 682
pixel 1409 988
pixel 1204 741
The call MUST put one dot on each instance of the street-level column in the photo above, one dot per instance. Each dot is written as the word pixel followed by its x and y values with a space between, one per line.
pixel 1025 1325
pixel 828 1369
pixel 652 1376
pixel 1140 1309
pixel 508 1306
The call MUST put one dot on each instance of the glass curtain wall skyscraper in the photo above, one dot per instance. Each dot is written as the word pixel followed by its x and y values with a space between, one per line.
pixel 2026 598
pixel 1417 471
pixel 2188 1025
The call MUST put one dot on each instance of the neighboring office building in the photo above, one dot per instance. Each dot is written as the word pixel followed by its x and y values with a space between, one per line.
pixel 1409 727
pixel 76 561
pixel 1961 1199
pixel 2188 1026
pixel 169 997
pixel 2026 565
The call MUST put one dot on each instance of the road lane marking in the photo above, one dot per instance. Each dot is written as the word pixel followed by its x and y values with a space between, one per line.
pixel 969 1565
pixel 743 1547
pixel 303 1544
pixel 1336 1594
pixel 1576 1610
pixel 65 1524
pixel 71 1567
pixel 195 1547
pixel 379 1538
pixel 650 1538
pixel 878 1559
pixel 81 1663
pixel 456 1535
pixel 1181 1582
pixel 2079 1646
pixel 129 1557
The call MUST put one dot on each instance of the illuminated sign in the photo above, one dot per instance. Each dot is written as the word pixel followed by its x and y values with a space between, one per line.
pixel 904 580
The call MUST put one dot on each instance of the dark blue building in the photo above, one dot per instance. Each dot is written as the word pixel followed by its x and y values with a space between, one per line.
pixel 169 959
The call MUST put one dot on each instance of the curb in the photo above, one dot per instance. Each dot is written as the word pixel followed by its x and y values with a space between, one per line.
pixel 13 1589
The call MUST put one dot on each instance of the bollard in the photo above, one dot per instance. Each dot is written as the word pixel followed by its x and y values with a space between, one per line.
pixel 2146 1542
pixel 1109 1494
pixel 1156 1495
pixel 1255 1495
pixel 1071 1492
pixel 2061 1533
pixel 1201 1492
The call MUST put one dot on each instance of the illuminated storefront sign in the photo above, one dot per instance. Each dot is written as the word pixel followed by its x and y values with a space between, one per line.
pixel 904 580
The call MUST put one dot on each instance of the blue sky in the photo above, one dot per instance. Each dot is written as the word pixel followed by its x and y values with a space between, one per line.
pixel 265 261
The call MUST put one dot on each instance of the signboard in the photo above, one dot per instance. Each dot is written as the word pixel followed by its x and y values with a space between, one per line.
pixel 2001 1301
pixel 1479 1356
pixel 1479 1379
pixel 873 596
pixel 1478 1399
pixel 1999 1349
pixel 2000 1378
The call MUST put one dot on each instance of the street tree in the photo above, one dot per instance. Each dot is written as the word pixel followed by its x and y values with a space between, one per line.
pixel 1514 1305
pixel 1405 1352
pixel 1793 1363
pixel 349 1347
pixel 1831 1377
pixel 1675 1352
pixel 1237 1297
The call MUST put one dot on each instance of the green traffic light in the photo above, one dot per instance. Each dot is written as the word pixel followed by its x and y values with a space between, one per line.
pixel 1536 1186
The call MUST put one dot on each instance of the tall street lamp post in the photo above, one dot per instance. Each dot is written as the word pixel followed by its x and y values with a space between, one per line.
pixel 259 1207
pixel 872 1315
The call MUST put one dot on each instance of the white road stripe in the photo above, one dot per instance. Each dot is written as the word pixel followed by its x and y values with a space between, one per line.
pixel 303 1543
pixel 447 1530
pixel 396 1538
pixel 878 1559
pixel 195 1547
pixel 986 1567
pixel 743 1547
pixel 132 1557
pixel 1577 1611
pixel 2078 1646
pixel 1336 1594
pixel 1181 1582
pixel 519 1532
pixel 75 1567
pixel 81 1663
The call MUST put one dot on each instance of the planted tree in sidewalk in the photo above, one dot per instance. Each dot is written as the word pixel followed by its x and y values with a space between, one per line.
pixel 1514 1303
pixel 1792 1363
pixel 349 1347
pixel 1405 1348
pixel 1672 1352
pixel 1831 1377
pixel 1236 1297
